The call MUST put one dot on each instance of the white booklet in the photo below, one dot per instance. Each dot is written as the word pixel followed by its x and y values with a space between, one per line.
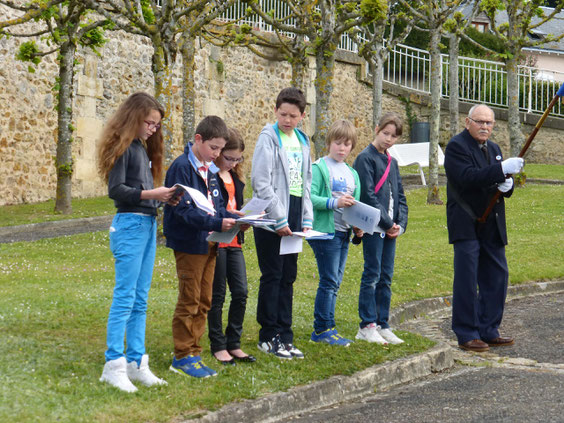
pixel 199 199
pixel 294 243
pixel 363 216
pixel 255 206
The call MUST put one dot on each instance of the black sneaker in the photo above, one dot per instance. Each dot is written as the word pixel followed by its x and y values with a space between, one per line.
pixel 294 352
pixel 276 347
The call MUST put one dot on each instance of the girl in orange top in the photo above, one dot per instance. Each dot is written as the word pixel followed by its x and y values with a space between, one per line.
pixel 230 263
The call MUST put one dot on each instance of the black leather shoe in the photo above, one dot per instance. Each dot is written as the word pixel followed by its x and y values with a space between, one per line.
pixel 245 359
pixel 225 362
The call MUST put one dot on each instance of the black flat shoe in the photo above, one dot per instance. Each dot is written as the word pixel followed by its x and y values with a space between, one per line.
pixel 245 359
pixel 225 362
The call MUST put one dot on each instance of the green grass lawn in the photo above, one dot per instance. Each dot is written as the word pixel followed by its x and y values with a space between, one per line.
pixel 55 295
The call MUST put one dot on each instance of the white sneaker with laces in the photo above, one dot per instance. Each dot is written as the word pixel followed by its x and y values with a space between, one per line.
pixel 389 336
pixel 142 373
pixel 115 374
pixel 370 333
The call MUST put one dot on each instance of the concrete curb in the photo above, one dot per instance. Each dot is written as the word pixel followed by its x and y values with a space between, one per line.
pixel 420 308
pixel 36 231
pixel 333 390
pixel 338 389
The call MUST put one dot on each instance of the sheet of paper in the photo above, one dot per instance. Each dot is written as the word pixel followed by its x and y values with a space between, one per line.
pixel 291 244
pixel 255 206
pixel 311 234
pixel 256 220
pixel 199 199
pixel 363 216
pixel 226 236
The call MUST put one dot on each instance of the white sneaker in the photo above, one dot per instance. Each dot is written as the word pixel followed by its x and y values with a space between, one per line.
pixel 142 373
pixel 389 336
pixel 115 374
pixel 370 333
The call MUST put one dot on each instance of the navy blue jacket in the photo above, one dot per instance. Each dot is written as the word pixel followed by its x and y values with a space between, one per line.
pixel 476 183
pixel 185 226
pixel 371 165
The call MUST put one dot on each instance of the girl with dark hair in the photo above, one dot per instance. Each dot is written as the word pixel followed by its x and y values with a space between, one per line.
pixel 130 159
pixel 230 264
pixel 381 188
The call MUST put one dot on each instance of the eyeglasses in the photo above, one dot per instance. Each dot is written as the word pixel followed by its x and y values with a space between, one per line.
pixel 233 159
pixel 152 125
pixel 488 123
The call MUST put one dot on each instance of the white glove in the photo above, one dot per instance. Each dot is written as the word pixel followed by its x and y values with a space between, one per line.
pixel 505 186
pixel 512 166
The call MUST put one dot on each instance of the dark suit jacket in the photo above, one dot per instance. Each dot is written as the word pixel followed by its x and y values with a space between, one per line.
pixel 475 181
pixel 239 193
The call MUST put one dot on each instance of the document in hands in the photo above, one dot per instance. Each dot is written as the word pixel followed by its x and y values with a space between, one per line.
pixel 294 243
pixel 363 216
pixel 255 206
pixel 199 199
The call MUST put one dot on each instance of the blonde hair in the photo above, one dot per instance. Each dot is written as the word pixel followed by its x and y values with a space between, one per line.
pixel 235 141
pixel 122 129
pixel 341 129
pixel 391 118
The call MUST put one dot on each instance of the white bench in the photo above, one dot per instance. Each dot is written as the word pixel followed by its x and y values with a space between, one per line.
pixel 415 153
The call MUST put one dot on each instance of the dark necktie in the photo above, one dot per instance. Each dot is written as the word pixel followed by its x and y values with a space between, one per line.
pixel 484 149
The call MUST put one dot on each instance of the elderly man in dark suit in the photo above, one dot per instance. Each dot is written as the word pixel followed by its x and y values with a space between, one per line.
pixel 475 171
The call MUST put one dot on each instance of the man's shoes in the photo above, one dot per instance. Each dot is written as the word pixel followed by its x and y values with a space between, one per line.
pixel 331 337
pixel 500 341
pixel 389 336
pixel 476 345
pixel 276 347
pixel 370 333
pixel 115 373
pixel 190 366
pixel 142 373
pixel 293 350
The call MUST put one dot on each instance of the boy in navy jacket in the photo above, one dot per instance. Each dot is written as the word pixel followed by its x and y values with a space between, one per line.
pixel 186 228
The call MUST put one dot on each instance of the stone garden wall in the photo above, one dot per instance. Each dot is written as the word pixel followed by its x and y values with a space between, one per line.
pixel 242 90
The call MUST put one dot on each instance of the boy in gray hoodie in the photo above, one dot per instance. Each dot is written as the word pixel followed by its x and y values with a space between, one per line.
pixel 281 173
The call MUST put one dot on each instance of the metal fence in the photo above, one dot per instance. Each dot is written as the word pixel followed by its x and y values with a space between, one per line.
pixel 480 81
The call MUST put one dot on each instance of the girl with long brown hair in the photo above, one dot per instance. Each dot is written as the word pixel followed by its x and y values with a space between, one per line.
pixel 130 159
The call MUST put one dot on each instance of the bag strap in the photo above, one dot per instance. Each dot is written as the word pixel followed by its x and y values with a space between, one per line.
pixel 465 206
pixel 384 176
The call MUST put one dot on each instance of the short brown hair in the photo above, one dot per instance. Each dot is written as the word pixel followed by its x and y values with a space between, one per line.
pixel 391 118
pixel 293 96
pixel 341 129
pixel 212 127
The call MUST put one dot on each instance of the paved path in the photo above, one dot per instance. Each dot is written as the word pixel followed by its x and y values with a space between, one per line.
pixel 520 383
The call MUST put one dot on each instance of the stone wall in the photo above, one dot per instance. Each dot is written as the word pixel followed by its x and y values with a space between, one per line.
pixel 242 90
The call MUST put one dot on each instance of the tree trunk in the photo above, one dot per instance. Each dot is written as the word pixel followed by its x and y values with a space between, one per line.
pixel 453 98
pixel 513 122
pixel 188 50
pixel 162 63
pixel 377 87
pixel 299 62
pixel 436 81
pixel 64 162
pixel 325 64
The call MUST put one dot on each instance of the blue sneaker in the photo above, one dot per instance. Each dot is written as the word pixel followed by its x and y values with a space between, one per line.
pixel 211 372
pixel 191 366
pixel 331 337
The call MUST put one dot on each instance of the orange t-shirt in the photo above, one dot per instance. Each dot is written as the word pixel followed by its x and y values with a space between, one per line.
pixel 231 206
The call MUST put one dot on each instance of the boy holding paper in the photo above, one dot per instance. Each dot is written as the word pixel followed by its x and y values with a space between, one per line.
pixel 281 174
pixel 335 185
pixel 382 189
pixel 186 228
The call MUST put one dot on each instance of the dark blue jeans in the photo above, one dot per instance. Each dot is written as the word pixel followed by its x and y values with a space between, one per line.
pixel 375 284
pixel 331 256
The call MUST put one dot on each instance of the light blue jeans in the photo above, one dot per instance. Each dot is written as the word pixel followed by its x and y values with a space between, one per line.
pixel 133 244
pixel 375 283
